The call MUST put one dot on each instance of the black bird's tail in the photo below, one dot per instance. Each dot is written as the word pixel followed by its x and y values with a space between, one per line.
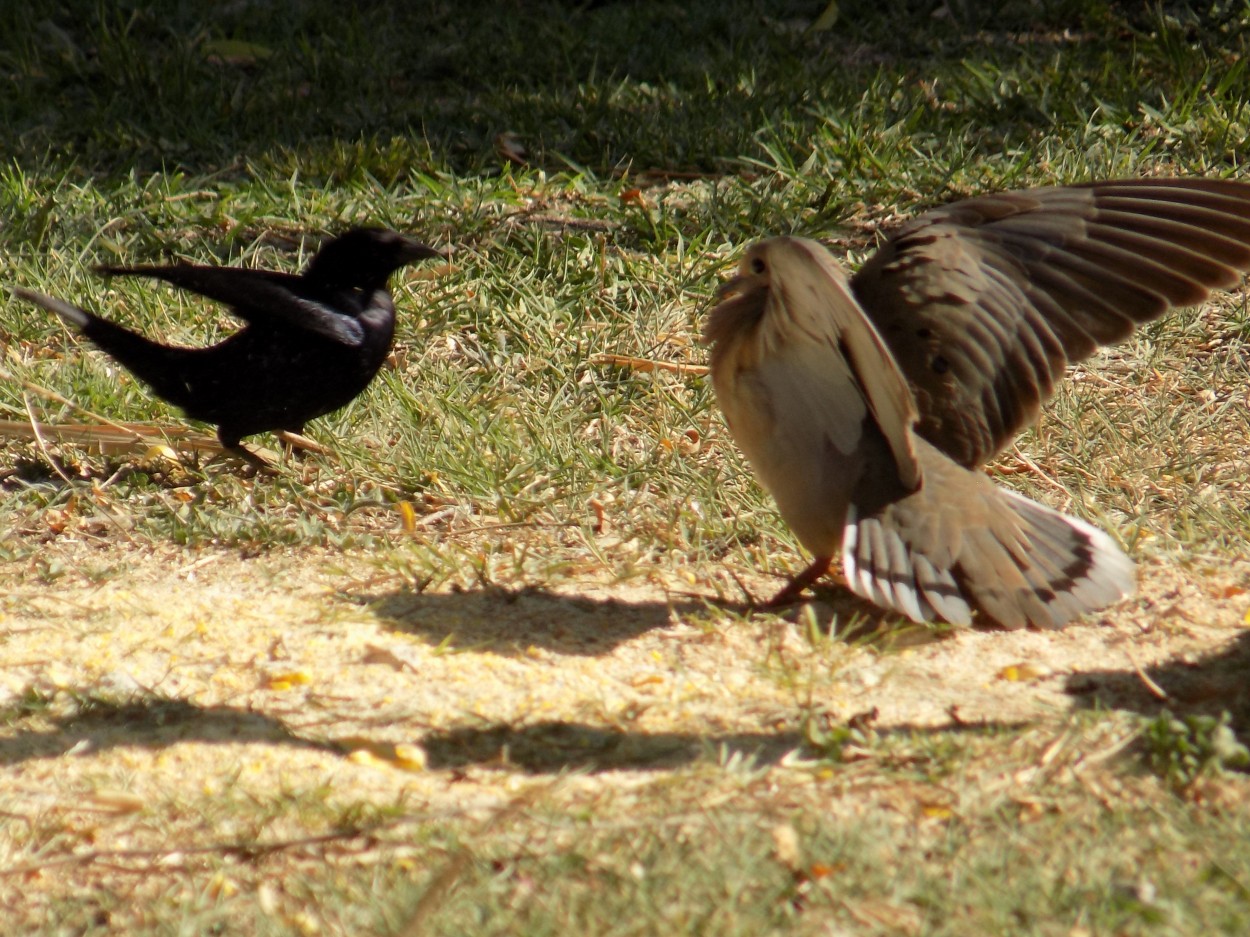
pixel 159 366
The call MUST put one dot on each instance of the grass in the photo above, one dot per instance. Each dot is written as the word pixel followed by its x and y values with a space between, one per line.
pixel 659 139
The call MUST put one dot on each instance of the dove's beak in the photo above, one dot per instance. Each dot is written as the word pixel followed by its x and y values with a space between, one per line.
pixel 726 289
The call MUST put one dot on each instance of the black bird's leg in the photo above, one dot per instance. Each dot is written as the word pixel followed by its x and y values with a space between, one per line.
pixel 230 442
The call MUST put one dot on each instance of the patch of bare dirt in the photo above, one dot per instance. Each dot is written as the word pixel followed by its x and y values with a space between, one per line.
pixel 163 707
pixel 199 667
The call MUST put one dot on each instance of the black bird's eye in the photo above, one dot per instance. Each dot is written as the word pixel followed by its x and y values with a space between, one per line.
pixel 758 265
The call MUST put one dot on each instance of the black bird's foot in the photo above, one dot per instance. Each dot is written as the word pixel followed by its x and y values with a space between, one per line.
pixel 262 466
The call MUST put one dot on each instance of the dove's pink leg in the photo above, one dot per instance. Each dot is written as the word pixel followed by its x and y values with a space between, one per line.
pixel 791 592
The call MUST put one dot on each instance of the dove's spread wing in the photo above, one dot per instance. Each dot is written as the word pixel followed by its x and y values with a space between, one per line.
pixel 260 297
pixel 985 302
pixel 809 284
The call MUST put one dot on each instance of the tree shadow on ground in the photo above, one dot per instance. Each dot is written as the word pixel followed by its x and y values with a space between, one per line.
pixel 1184 686
pixel 209 88
pixel 555 746
pixel 146 722
pixel 546 747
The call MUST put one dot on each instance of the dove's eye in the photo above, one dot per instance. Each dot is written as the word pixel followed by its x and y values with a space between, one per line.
pixel 758 265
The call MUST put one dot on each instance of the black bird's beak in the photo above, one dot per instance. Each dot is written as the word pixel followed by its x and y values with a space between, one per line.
pixel 415 250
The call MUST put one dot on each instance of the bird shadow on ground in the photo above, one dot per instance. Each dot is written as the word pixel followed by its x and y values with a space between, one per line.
pixel 1183 686
pixel 834 611
pixel 150 722
pixel 512 621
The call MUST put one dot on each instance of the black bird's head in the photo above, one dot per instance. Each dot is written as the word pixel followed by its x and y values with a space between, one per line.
pixel 363 258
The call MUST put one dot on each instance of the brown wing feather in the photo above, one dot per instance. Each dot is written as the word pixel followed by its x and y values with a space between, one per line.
pixel 984 303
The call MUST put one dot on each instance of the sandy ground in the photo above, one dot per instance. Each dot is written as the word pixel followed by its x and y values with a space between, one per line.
pixel 314 670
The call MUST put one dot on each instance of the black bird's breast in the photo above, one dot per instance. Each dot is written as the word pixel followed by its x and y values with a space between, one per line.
pixel 270 375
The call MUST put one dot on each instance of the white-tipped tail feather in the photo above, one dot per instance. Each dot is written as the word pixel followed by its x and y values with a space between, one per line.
pixel 1054 569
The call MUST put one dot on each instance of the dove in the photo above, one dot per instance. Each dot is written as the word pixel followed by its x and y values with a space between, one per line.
pixel 866 404
pixel 312 342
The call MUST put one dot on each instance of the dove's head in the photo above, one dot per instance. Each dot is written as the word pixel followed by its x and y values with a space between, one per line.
pixel 784 289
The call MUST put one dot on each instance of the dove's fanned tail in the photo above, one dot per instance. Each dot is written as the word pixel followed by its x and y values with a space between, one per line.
pixel 1084 566
pixel 1013 560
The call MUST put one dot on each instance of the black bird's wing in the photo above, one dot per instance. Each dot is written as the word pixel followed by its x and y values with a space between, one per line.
pixel 985 302
pixel 260 297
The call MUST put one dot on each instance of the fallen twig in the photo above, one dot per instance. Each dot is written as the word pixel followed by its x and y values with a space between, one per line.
pixel 646 365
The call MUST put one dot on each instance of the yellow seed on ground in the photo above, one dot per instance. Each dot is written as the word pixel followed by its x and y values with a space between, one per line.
pixel 411 757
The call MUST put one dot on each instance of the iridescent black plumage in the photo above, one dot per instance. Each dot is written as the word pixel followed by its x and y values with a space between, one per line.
pixel 312 342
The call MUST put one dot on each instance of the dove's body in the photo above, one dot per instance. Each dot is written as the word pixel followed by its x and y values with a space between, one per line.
pixel 312 342
pixel 864 406
pixel 772 403
pixel 917 532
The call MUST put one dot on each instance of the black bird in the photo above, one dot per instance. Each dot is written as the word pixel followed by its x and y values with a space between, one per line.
pixel 312 342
